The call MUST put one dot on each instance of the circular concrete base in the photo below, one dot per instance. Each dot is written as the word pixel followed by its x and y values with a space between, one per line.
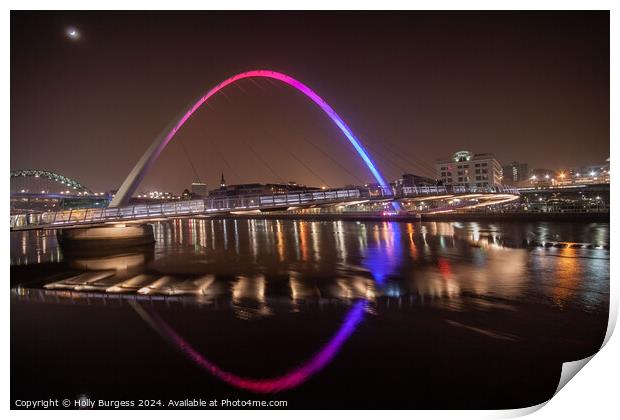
pixel 119 235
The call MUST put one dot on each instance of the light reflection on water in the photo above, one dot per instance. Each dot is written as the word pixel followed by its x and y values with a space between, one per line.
pixel 268 270
pixel 259 259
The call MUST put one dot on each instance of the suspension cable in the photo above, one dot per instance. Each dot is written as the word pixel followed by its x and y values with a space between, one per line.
pixel 320 178
pixel 386 158
pixel 219 153
pixel 307 140
pixel 232 169
pixel 264 162
pixel 260 158
pixel 423 166
pixel 189 159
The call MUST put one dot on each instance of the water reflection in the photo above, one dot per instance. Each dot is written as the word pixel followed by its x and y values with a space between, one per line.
pixel 263 275
pixel 34 247
pixel 248 297
pixel 124 260
pixel 284 382
pixel 383 257
pixel 250 262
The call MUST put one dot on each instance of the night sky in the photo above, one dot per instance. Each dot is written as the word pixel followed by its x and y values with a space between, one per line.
pixel 413 86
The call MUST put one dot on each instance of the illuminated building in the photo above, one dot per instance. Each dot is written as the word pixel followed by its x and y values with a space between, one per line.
pixel 474 170
pixel 515 172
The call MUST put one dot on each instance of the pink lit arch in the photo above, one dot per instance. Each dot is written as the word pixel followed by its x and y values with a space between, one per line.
pixel 136 175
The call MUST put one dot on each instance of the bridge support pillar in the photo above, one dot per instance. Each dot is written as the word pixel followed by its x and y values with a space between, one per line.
pixel 118 235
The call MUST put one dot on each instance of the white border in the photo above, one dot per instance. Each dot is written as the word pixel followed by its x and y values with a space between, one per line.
pixel 592 394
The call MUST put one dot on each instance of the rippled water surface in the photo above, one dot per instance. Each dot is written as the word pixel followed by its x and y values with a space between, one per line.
pixel 319 314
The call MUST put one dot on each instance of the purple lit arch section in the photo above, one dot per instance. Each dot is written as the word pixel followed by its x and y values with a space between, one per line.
pixel 287 381
pixel 136 175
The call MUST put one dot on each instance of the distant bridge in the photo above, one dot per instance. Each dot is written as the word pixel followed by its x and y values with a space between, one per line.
pixel 68 183
pixel 36 191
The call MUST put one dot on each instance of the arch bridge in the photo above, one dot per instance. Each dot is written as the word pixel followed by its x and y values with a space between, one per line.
pixel 120 210
pixel 68 183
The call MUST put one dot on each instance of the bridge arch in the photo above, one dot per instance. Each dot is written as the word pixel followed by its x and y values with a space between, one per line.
pixel 52 176
pixel 289 380
pixel 136 175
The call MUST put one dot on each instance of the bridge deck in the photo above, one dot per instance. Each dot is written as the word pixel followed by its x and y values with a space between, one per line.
pixel 223 205
pixel 181 208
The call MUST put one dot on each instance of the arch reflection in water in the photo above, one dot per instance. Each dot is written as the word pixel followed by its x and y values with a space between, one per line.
pixel 284 382
pixel 384 257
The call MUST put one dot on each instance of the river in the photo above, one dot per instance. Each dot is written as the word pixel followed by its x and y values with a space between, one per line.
pixel 318 314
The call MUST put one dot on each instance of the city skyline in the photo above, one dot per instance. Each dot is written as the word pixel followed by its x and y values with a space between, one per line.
pixel 516 103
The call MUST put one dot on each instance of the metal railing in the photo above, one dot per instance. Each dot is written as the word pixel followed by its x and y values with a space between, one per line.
pixel 224 204
pixel 181 208
pixel 456 189
pixel 415 191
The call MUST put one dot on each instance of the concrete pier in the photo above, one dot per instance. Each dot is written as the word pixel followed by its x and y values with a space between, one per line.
pixel 117 235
